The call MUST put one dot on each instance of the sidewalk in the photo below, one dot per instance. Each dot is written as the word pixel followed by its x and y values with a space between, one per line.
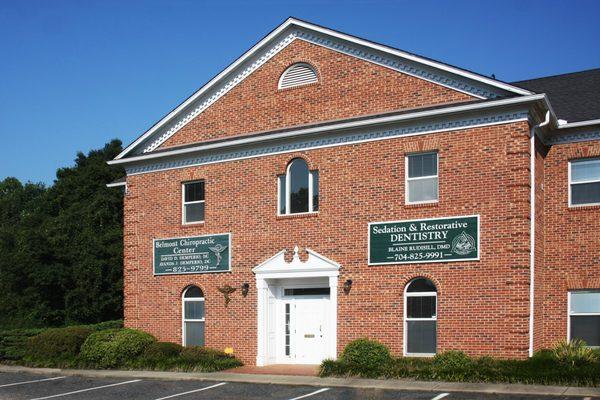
pixel 391 384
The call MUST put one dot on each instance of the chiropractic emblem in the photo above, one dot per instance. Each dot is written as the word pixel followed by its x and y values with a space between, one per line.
pixel 463 244
pixel 218 249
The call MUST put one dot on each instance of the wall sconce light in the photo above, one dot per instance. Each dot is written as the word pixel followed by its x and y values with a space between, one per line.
pixel 245 288
pixel 347 286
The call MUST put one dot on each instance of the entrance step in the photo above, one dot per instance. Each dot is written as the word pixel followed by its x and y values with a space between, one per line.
pixel 277 369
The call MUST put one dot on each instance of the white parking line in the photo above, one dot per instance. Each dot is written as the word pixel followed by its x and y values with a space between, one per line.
pixel 86 390
pixel 441 396
pixel 38 380
pixel 192 391
pixel 311 394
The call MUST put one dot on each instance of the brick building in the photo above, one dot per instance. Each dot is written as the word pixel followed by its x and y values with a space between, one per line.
pixel 324 188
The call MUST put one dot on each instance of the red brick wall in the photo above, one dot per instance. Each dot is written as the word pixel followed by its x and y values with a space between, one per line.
pixel 572 240
pixel 347 87
pixel 483 306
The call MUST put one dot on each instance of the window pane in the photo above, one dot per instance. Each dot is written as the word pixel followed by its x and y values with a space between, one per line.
pixel 281 180
pixel 586 328
pixel 422 165
pixel 420 307
pixel 421 337
pixel 315 175
pixel 194 309
pixel 194 333
pixel 193 291
pixel 194 212
pixel 585 193
pixel 588 170
pixel 194 191
pixel 423 190
pixel 585 302
pixel 421 285
pixel 298 186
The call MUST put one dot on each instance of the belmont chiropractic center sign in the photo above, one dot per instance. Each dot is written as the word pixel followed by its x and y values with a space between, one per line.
pixel 424 240
pixel 192 255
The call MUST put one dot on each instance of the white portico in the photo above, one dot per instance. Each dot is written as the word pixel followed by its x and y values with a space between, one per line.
pixel 297 309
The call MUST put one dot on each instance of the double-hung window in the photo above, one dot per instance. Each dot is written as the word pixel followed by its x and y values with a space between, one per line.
pixel 193 317
pixel 584 316
pixel 298 189
pixel 193 202
pixel 421 178
pixel 584 179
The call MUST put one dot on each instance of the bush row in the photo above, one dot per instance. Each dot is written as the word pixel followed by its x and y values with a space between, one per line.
pixel 14 342
pixel 108 345
pixel 567 364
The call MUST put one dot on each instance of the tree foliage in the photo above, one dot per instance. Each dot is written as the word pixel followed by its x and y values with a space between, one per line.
pixel 61 247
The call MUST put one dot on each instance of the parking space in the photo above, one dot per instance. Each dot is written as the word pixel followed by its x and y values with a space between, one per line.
pixel 23 386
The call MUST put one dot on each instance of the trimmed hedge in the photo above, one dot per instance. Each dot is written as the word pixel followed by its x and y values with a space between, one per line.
pixel 573 365
pixel 365 357
pixel 114 347
pixel 57 343
pixel 13 343
pixel 161 350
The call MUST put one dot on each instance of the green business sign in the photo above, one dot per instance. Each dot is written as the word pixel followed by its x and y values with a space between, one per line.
pixel 192 255
pixel 424 240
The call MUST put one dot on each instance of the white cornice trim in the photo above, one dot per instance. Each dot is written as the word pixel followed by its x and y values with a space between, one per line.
pixel 339 126
pixel 282 44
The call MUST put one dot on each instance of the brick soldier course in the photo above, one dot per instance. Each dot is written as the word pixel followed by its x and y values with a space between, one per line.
pixel 484 168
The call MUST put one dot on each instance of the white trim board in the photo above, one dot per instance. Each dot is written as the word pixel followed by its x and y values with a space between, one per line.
pixel 294 29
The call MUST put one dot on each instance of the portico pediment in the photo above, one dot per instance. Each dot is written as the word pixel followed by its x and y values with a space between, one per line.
pixel 315 265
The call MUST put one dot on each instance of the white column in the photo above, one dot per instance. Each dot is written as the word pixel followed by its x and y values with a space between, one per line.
pixel 262 293
pixel 332 345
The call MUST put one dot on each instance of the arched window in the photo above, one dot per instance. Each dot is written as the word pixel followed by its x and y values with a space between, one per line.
pixel 298 189
pixel 420 318
pixel 193 316
pixel 297 75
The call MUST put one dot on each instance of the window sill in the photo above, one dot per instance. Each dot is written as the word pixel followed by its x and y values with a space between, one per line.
pixel 422 205
pixel 578 207
pixel 298 215
pixel 192 224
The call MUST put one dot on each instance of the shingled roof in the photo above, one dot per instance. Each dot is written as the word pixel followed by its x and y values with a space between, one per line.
pixel 574 96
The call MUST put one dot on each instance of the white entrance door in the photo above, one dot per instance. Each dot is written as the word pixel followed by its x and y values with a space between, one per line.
pixel 309 334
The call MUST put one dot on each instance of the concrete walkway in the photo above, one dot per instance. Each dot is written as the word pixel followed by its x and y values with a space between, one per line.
pixel 391 384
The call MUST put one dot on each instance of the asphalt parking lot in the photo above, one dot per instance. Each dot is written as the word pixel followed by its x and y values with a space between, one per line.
pixel 25 386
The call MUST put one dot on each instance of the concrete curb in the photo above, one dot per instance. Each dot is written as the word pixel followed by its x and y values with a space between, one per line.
pixel 390 384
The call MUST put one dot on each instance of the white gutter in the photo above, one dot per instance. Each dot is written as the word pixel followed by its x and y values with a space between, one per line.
pixel 532 229
pixel 338 126
pixel 579 124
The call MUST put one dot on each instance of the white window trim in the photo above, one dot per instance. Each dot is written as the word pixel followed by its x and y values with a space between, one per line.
pixel 571 314
pixel 288 194
pixel 571 183
pixel 184 203
pixel 408 294
pixel 407 179
pixel 184 300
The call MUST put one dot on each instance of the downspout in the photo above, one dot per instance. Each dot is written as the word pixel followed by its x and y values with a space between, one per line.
pixel 532 229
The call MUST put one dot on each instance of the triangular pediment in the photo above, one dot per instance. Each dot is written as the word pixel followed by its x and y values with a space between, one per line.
pixel 315 263
pixel 292 30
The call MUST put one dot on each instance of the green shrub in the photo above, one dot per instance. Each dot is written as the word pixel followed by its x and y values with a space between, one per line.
pixel 57 343
pixel 161 350
pixel 574 353
pixel 116 324
pixel 452 365
pixel 13 343
pixel 114 347
pixel 367 358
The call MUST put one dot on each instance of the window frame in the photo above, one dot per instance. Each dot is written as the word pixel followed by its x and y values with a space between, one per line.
pixel 184 300
pixel 184 203
pixel 571 183
pixel 407 179
pixel 406 319
pixel 570 314
pixel 311 191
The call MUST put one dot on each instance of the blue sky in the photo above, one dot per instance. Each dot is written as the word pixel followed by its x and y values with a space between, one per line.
pixel 75 74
